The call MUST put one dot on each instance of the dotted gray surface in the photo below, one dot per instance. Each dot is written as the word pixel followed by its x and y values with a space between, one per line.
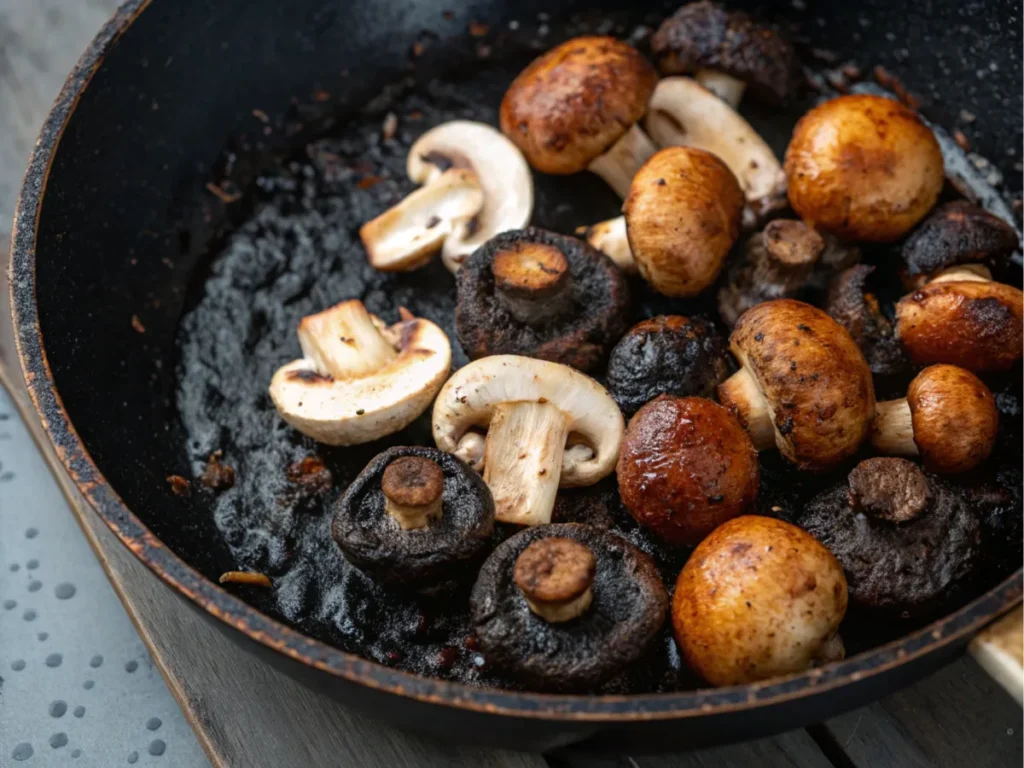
pixel 76 684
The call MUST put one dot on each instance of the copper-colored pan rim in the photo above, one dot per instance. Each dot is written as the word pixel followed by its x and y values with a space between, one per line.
pixel 231 610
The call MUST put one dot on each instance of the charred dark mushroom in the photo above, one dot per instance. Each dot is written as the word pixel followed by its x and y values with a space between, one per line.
pixel 954 234
pixel 727 52
pixel 666 355
pixel 686 466
pixel 948 418
pixel 537 293
pixel 565 607
pixel 414 518
pixel 853 305
pixel 904 538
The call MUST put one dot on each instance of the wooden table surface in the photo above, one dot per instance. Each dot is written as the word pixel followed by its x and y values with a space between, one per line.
pixel 248 715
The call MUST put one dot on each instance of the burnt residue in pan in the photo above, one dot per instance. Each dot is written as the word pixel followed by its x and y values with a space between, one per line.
pixel 298 253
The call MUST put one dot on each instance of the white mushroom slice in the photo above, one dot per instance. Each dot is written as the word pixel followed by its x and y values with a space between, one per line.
pixel 406 236
pixel 726 87
pixel 609 237
pixel 684 113
pixel 619 164
pixel 533 407
pixel 359 380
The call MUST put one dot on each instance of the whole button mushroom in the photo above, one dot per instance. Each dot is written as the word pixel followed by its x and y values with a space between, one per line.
pixel 852 303
pixel 565 607
pixel 863 167
pixel 905 539
pixel 965 319
pixel 359 380
pixel 531 409
pixel 476 183
pixel 414 519
pixel 803 385
pixel 537 293
pixel 758 598
pixel 685 467
pixel 682 217
pixel 576 108
pixel 948 418
pixel 666 355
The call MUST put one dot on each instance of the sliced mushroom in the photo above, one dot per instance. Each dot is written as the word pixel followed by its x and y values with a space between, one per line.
pixel 537 293
pixel 576 108
pixel 476 183
pixel 853 305
pixel 359 380
pixel 682 217
pixel 804 385
pixel 726 51
pixel 948 418
pixel 758 598
pixel 863 167
pixel 530 409
pixel 686 466
pixel 565 607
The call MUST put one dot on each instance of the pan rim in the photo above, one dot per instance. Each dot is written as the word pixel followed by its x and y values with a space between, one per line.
pixel 276 635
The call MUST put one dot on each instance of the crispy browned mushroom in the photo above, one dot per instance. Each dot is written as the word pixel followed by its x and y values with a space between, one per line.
pixel 576 107
pixel 758 598
pixel 537 293
pixel 682 217
pixel 565 607
pixel 852 304
pixel 948 418
pixel 686 466
pixel 863 167
pixel 905 539
pixel 804 385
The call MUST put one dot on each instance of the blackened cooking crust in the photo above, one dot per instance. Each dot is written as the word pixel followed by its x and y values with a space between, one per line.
pixel 666 355
pixel 580 336
pixel 629 607
pixel 417 559
pixel 958 233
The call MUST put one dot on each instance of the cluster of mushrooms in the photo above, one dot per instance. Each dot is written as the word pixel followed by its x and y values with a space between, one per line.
pixel 567 606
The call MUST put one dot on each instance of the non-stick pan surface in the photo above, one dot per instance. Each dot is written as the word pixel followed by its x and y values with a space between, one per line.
pixel 111 248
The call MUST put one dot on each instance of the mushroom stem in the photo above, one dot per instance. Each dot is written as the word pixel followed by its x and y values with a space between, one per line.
pixel 413 489
pixel 963 272
pixel 523 460
pixel 619 164
pixel 345 341
pixel 471 449
pixel 741 395
pixel 727 88
pixel 556 612
pixel 532 281
pixel 892 430
pixel 555 576
pixel 610 238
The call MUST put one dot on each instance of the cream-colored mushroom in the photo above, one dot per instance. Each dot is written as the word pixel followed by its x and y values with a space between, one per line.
pixel 359 380
pixel 476 184
pixel 609 237
pixel 530 409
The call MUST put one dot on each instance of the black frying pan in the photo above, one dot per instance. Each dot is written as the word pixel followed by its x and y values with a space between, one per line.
pixel 116 222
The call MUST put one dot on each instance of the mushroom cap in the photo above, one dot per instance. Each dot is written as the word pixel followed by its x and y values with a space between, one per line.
pixel 954 416
pixel 958 233
pixel 863 167
pixel 850 303
pixel 814 377
pixel 969 323
pixel 703 35
pixel 666 355
pixel 628 608
pixel 358 410
pixel 570 105
pixel 685 467
pixel 757 598
pixel 421 559
pixel 500 169
pixel 595 316
pixel 910 567
pixel 469 397
pixel 682 216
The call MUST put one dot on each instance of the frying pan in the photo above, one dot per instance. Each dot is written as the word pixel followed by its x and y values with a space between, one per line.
pixel 115 221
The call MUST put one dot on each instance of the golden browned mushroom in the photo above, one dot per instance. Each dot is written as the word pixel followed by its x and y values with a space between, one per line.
pixel 577 106
pixel 863 167
pixel 963 318
pixel 555 576
pixel 803 385
pixel 948 418
pixel 758 598
pixel 682 217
